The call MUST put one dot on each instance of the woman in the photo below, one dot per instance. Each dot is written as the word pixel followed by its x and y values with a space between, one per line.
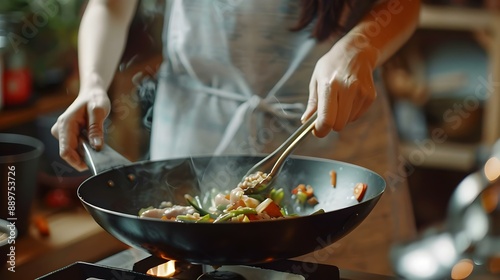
pixel 234 81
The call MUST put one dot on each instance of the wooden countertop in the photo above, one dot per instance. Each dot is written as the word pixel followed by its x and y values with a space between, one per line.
pixel 74 236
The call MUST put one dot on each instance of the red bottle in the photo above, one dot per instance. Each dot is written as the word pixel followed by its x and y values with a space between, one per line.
pixel 17 83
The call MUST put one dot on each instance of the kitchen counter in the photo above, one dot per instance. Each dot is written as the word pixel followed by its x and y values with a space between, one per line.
pixel 74 236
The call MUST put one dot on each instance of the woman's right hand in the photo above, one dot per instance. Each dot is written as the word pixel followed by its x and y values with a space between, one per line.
pixel 88 111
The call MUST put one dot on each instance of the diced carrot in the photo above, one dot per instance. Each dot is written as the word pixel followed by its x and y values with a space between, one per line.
pixel 237 204
pixel 359 191
pixel 41 225
pixel 300 187
pixel 312 201
pixel 333 178
pixel 309 191
pixel 273 210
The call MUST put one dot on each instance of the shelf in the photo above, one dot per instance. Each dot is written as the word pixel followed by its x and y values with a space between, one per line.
pixel 452 156
pixel 455 18
pixel 46 103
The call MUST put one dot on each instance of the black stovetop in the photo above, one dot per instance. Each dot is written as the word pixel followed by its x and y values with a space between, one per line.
pixel 133 264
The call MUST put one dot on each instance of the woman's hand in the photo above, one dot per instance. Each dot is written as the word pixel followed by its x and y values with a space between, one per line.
pixel 88 111
pixel 341 87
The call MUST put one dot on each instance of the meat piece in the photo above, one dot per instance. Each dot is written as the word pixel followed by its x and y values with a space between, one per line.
pixel 177 210
pixel 170 212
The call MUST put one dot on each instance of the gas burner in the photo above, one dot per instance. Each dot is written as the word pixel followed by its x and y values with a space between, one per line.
pixel 280 269
pixel 221 275
pixel 122 268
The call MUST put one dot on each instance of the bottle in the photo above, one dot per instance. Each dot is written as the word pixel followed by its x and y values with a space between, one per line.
pixel 1 78
pixel 3 46
pixel 17 83
pixel 15 75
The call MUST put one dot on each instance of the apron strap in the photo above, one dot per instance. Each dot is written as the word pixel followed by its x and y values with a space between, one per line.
pixel 269 104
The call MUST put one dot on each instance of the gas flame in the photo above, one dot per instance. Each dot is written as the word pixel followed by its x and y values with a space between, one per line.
pixel 163 270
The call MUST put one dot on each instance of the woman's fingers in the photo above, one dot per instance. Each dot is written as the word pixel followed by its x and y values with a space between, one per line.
pixel 338 103
pixel 366 97
pixel 66 131
pixel 312 102
pixel 327 107
pixel 88 111
pixel 346 97
pixel 357 109
pixel 97 112
pixel 362 109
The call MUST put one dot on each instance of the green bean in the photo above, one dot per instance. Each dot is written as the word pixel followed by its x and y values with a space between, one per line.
pixel 277 195
pixel 197 207
pixel 301 197
pixel 234 213
pixel 204 219
pixel 192 219
pixel 186 218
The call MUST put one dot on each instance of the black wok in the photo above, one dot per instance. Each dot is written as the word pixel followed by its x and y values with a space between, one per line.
pixel 114 198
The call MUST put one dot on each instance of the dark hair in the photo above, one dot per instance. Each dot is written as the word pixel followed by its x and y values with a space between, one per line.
pixel 327 15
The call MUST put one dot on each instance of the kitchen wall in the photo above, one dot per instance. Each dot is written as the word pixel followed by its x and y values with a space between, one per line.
pixel 38 41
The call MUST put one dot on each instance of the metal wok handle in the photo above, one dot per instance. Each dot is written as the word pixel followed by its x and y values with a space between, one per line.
pixel 99 161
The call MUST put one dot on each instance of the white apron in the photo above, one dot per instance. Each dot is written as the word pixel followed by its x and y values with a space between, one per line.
pixel 235 81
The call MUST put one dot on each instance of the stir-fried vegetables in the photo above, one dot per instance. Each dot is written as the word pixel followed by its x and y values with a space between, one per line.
pixel 305 194
pixel 233 206
pixel 236 206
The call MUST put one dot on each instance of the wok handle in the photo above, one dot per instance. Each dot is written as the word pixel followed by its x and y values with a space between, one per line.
pixel 100 161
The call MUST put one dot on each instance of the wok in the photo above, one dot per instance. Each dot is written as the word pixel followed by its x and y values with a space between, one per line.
pixel 114 197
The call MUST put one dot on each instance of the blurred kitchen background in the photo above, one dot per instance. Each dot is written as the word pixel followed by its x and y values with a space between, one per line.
pixel 38 41
pixel 443 85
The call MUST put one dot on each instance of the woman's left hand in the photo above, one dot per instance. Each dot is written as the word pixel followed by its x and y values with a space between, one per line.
pixel 341 87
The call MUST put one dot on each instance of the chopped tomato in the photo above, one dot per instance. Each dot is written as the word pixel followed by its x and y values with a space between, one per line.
pixel 252 217
pixel 359 191
pixel 273 210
